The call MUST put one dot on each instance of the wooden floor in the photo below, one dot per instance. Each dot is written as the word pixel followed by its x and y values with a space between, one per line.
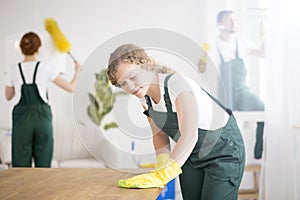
pixel 54 183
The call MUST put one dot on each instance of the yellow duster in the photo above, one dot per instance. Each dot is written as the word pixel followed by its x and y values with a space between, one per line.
pixel 59 39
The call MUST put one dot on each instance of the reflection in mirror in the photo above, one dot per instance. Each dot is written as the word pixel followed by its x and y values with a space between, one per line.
pixel 234 63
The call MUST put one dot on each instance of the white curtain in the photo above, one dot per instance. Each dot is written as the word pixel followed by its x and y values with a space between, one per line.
pixel 282 101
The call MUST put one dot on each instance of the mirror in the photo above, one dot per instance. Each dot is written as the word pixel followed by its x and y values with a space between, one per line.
pixel 234 61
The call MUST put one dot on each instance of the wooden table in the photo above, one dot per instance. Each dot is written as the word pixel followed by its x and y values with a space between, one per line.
pixel 60 183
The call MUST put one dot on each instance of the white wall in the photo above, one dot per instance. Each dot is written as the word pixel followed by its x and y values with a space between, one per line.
pixel 87 24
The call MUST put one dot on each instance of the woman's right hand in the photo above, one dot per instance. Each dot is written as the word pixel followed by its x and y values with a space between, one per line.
pixel 77 66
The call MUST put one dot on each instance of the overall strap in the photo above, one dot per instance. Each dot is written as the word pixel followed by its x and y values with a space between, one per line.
pixel 166 95
pixel 236 48
pixel 35 70
pixel 34 77
pixel 148 101
pixel 220 54
pixel 21 72
pixel 218 102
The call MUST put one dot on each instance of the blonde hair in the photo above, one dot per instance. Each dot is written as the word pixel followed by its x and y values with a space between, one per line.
pixel 132 54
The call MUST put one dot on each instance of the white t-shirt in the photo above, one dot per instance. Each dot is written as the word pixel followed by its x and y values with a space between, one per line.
pixel 228 49
pixel 211 116
pixel 44 76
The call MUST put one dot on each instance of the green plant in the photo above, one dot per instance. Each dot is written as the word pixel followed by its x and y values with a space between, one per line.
pixel 102 100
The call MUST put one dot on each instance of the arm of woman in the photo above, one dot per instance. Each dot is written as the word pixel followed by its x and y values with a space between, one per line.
pixel 9 92
pixel 160 140
pixel 168 169
pixel 68 86
pixel 259 52
pixel 187 113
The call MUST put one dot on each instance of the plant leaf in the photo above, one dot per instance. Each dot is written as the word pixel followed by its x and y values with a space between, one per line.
pixel 94 101
pixel 110 125
pixel 93 114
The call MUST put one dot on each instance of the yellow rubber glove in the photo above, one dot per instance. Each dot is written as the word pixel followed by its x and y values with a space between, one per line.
pixel 205 47
pixel 156 178
pixel 203 61
pixel 161 159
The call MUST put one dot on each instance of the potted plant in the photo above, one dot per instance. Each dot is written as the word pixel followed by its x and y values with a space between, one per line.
pixel 102 101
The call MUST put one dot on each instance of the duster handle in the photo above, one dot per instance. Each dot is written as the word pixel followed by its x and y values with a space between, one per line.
pixel 73 58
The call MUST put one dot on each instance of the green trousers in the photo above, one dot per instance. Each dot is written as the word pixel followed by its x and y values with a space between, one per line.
pixel 214 172
pixel 32 137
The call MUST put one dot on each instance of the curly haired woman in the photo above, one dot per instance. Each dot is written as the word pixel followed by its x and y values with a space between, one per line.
pixel 209 154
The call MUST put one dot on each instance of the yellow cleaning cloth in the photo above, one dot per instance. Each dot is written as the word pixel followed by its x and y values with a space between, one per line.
pixel 148 180
pixel 148 165
pixel 156 178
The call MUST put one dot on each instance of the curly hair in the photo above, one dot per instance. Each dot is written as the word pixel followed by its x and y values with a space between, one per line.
pixel 30 43
pixel 132 54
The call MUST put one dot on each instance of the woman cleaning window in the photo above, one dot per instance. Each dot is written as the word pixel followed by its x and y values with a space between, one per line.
pixel 32 132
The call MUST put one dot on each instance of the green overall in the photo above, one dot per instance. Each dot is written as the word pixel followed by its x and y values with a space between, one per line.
pixel 237 94
pixel 32 127
pixel 215 167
